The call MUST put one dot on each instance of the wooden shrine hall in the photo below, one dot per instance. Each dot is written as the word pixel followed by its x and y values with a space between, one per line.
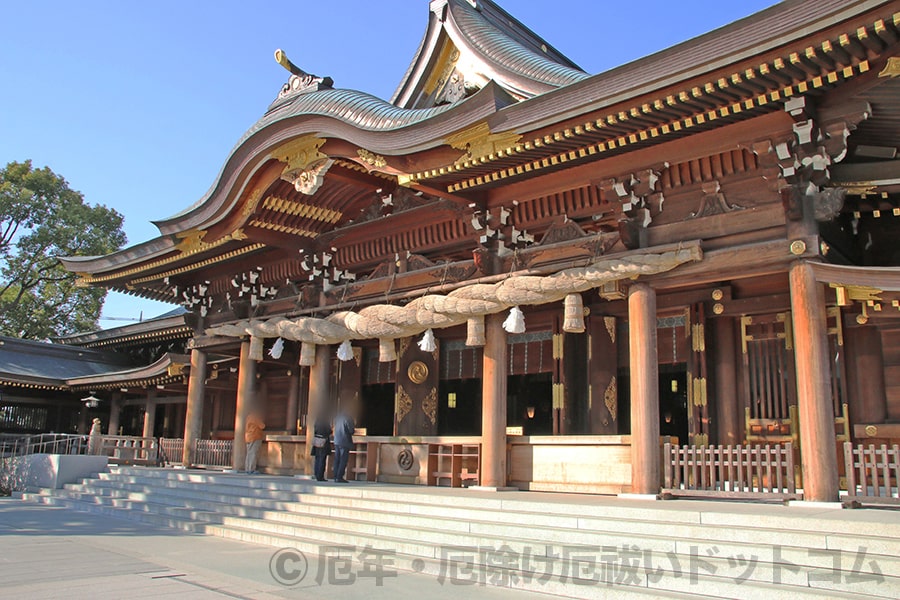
pixel 517 274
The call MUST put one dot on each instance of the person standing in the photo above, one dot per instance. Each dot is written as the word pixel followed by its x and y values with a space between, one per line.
pixel 343 443
pixel 254 436
pixel 321 445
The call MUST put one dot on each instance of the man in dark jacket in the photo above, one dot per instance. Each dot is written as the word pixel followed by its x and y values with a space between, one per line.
pixel 343 443
pixel 321 445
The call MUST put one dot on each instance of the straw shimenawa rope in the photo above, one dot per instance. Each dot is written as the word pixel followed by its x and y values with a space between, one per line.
pixel 385 321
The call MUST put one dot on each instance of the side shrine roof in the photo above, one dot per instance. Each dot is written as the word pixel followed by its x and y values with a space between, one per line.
pixel 42 363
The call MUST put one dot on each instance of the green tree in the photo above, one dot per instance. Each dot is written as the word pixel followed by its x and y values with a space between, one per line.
pixel 41 219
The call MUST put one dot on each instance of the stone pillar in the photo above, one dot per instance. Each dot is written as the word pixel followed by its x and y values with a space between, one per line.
pixel 644 371
pixel 319 394
pixel 818 453
pixel 246 388
pixel 293 401
pixel 115 413
pixel 870 404
pixel 728 414
pixel 193 419
pixel 493 411
pixel 150 414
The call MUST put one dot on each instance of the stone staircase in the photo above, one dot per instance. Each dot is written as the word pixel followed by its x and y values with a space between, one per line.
pixel 570 545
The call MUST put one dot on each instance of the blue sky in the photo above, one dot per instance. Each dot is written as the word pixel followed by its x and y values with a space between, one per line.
pixel 137 105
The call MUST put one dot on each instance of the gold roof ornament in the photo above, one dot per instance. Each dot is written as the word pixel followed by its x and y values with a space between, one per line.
pixel 300 82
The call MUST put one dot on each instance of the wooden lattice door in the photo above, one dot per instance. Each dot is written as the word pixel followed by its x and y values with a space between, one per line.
pixel 769 378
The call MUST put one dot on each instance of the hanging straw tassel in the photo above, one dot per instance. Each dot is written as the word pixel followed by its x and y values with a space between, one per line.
pixel 427 343
pixel 256 348
pixel 387 352
pixel 475 331
pixel 515 322
pixel 573 320
pixel 307 354
pixel 345 351
pixel 276 349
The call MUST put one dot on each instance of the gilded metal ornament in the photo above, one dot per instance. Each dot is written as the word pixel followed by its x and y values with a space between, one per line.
pixel 417 372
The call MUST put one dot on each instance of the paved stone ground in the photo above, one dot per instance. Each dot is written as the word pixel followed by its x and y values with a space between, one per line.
pixel 48 552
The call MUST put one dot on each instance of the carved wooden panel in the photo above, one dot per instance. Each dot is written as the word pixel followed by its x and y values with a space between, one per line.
pixel 603 369
pixel 417 389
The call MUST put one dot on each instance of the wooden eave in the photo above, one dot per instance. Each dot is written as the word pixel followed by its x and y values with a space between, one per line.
pixel 811 66
pixel 168 369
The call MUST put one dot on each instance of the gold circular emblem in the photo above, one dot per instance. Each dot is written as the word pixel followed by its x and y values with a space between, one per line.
pixel 718 294
pixel 718 308
pixel 417 371
pixel 798 247
pixel 871 430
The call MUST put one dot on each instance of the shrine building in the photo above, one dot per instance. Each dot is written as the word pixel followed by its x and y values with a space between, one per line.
pixel 514 273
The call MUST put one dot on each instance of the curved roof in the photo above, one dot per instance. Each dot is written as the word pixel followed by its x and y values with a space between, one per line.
pixel 495 47
pixel 516 57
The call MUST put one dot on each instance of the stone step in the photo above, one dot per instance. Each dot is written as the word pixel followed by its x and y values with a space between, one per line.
pixel 707 545
pixel 561 505
pixel 573 573
pixel 749 529
pixel 421 541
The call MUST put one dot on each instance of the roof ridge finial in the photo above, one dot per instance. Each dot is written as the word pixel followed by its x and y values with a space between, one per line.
pixel 300 81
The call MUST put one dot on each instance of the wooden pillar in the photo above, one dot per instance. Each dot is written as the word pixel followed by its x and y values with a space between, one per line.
pixel 83 419
pixel 150 414
pixel 870 403
pixel 319 395
pixel 245 391
pixel 493 416
pixel 115 413
pixel 728 413
pixel 817 437
pixel 196 392
pixel 293 401
pixel 644 367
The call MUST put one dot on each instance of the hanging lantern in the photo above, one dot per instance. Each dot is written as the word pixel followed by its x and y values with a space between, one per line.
pixel 515 322
pixel 256 348
pixel 277 348
pixel 573 319
pixel 345 351
pixel 475 331
pixel 427 343
pixel 387 352
pixel 307 354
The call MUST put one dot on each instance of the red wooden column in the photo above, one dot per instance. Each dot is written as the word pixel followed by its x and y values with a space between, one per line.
pixel 728 413
pixel 319 377
pixel 642 349
pixel 817 450
pixel 493 412
pixel 246 389
pixel 193 419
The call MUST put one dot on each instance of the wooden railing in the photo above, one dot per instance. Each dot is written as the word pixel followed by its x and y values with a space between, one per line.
pixel 171 451
pixel 214 453
pixel 730 471
pixel 873 474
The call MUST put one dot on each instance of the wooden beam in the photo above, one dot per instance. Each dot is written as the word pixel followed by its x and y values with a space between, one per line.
pixel 699 145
